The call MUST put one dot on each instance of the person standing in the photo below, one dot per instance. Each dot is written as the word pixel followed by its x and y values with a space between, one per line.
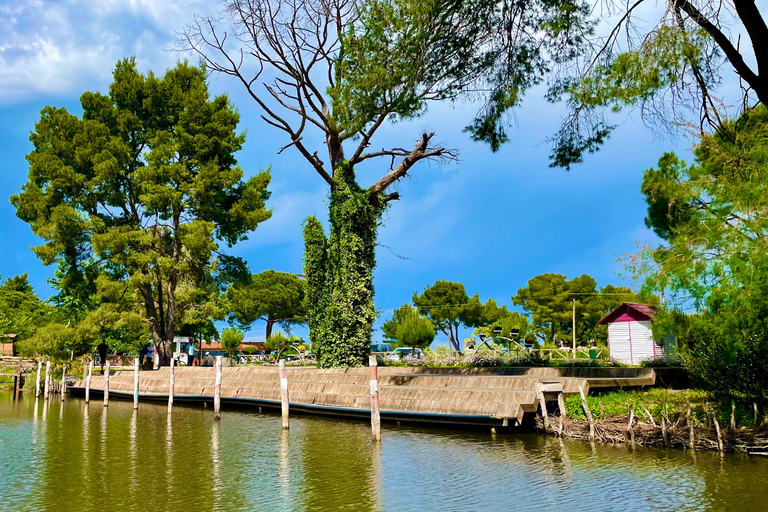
pixel 191 354
pixel 143 353
pixel 101 350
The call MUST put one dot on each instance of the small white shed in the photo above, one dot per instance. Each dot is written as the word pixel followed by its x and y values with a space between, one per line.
pixel 630 339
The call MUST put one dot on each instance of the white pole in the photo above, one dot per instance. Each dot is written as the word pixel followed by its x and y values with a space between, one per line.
pixel 47 391
pixel 217 391
pixel 170 391
pixel 284 394
pixel 106 385
pixel 37 382
pixel 375 415
pixel 136 383
pixel 63 380
pixel 88 371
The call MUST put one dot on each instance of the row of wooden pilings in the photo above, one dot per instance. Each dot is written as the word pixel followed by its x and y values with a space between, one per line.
pixel 284 399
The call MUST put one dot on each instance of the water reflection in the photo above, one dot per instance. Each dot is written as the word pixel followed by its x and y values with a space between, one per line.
pixel 185 461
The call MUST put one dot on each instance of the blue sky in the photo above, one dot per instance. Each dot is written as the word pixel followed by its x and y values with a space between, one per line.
pixel 490 221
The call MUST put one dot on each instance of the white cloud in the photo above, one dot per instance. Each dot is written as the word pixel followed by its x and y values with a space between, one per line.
pixel 57 48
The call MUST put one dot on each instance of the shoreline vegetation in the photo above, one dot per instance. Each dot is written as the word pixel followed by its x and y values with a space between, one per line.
pixel 660 417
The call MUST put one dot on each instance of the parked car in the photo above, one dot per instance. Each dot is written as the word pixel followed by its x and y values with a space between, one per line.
pixel 403 352
pixel 381 347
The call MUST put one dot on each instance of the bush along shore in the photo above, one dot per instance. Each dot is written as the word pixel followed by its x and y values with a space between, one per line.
pixel 661 418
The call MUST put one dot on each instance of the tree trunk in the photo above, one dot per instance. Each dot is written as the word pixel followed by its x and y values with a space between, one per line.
pixel 163 347
pixel 270 323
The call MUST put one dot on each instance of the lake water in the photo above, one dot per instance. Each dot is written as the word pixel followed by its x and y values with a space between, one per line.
pixel 75 457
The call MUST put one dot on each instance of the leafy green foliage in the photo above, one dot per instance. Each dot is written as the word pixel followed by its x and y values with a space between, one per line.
pixel 136 196
pixel 339 274
pixel 713 216
pixel 231 338
pixel 449 307
pixel 274 297
pixel 389 328
pixel 415 331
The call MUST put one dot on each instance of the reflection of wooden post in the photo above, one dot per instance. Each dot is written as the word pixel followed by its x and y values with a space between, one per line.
pixel 63 380
pixel 136 383
pixel 375 415
pixel 588 413
pixel 88 370
pixel 46 393
pixel 106 385
pixel 170 390
pixel 217 391
pixel 284 394
pixel 37 381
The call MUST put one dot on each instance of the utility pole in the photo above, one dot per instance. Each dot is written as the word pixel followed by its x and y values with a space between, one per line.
pixel 574 328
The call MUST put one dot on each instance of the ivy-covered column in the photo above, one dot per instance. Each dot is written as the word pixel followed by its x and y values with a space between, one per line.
pixel 340 274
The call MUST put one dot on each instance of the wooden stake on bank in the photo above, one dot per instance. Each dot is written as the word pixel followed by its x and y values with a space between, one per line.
pixel 88 371
pixel 217 391
pixel 46 393
pixel 37 381
pixel 284 394
pixel 106 385
pixel 136 383
pixel 172 382
pixel 375 415
pixel 588 413
pixel 543 406
pixel 691 432
pixel 63 380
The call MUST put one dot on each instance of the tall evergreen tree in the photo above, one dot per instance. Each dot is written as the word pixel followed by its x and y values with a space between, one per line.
pixel 146 187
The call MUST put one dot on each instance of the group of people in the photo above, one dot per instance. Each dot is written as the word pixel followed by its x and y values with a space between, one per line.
pixel 102 350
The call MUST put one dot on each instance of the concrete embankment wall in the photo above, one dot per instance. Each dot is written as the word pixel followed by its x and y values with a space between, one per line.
pixel 500 396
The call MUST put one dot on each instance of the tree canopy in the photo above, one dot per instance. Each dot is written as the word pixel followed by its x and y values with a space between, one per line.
pixel 548 298
pixel 274 297
pixel 449 307
pixel 415 331
pixel 673 70
pixel 141 191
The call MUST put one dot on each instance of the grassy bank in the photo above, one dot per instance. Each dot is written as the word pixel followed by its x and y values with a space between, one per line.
pixel 663 417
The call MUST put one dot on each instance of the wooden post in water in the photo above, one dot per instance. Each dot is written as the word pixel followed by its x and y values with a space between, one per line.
pixel 170 389
pixel 691 432
pixel 106 385
pixel 284 394
pixel 588 413
pixel 46 392
pixel 719 435
pixel 17 382
pixel 37 381
pixel 375 415
pixel 561 406
pixel 543 406
pixel 63 380
pixel 664 434
pixel 88 371
pixel 217 391
pixel 136 383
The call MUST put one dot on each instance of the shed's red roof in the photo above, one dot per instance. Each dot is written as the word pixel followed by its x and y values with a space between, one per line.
pixel 628 312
